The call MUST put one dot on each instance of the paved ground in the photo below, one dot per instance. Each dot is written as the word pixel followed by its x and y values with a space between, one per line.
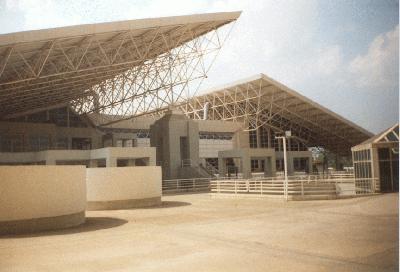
pixel 197 233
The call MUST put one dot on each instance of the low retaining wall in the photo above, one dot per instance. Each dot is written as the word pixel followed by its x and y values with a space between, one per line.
pixel 113 188
pixel 36 198
pixel 345 189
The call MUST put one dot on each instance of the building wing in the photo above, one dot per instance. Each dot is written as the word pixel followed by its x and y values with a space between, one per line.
pixel 262 101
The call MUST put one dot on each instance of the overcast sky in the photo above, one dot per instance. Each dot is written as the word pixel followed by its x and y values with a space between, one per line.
pixel 341 54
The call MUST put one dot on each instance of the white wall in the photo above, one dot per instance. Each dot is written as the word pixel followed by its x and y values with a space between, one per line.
pixel 28 192
pixel 123 183
pixel 346 189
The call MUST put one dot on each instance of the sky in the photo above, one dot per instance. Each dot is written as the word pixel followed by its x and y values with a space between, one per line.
pixel 342 54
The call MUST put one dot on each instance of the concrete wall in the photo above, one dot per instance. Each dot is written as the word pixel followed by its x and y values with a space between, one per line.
pixel 111 154
pixel 41 197
pixel 218 126
pixel 121 188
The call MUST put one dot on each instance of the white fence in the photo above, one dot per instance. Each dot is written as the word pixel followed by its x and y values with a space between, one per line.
pixel 186 185
pixel 300 186
pixel 297 187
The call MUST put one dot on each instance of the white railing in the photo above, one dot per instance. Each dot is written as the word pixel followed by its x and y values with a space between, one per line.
pixel 302 186
pixel 186 185
pixel 297 186
pixel 366 186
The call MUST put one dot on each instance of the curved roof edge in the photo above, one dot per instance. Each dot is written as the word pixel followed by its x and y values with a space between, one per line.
pixel 96 28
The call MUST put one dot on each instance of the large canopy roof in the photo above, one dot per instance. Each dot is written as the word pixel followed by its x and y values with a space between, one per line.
pixel 262 101
pixel 47 68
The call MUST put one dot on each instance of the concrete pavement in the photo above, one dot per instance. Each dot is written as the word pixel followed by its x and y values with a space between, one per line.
pixel 200 233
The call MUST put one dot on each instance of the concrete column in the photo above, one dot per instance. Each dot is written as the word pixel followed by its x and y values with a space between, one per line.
pixel 93 164
pixel 50 162
pixel 290 164
pixel 375 168
pixel 152 160
pixel 222 166
pixel 147 162
pixel 131 162
pixel 246 167
pixel 310 168
pixel 267 167
pixel 111 162
pixel 273 166
pixel 202 161
pixel 69 143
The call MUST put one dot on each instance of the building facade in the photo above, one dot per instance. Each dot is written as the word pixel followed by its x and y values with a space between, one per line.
pixel 183 147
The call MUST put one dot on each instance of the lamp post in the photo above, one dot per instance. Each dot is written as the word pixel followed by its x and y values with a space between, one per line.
pixel 285 185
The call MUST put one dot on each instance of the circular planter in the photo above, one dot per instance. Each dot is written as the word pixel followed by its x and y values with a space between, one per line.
pixel 38 198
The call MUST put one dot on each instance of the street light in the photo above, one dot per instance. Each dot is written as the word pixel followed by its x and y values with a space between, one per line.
pixel 288 134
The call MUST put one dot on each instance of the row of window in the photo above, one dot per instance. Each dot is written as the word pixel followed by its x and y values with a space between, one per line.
pixel 253 138
pixel 385 154
pixel 145 134
pixel 215 136
pixel 362 170
pixel 262 141
pixel 62 117
pixel 125 143
pixel 16 143
pixel 299 164
pixel 362 155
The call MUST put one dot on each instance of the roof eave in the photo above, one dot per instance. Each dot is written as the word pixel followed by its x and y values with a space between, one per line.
pixel 97 28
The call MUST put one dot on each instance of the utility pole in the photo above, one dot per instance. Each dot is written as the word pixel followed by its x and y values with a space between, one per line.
pixel 285 185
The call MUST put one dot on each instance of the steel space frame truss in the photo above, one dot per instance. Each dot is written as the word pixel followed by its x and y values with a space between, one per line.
pixel 156 83
pixel 258 104
pixel 124 74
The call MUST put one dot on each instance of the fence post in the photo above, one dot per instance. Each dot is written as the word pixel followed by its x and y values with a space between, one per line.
pixel 177 184
pixel 235 187
pixel 261 186
pixel 302 188
pixel 193 184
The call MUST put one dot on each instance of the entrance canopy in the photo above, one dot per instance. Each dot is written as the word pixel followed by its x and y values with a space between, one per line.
pixel 98 67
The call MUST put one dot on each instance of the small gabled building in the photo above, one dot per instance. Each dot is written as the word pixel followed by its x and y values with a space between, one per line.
pixel 378 159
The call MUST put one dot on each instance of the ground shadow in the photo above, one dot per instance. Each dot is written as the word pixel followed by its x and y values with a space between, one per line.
pixel 91 224
pixel 169 204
